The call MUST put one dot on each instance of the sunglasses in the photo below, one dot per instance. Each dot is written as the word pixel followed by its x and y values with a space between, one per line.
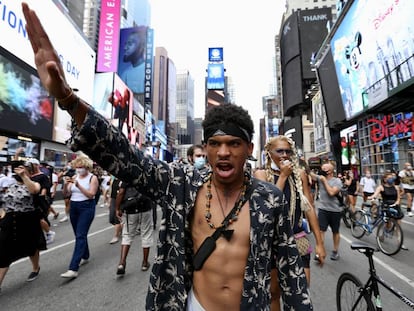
pixel 281 152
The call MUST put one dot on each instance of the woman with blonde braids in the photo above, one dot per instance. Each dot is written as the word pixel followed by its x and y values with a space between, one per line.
pixel 282 168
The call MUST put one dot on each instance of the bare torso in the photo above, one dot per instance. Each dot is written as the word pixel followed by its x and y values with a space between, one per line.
pixel 218 285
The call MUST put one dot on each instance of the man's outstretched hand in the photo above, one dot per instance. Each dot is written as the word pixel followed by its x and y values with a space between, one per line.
pixel 47 61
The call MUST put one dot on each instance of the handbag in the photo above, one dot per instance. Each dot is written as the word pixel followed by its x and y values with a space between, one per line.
pixel 302 243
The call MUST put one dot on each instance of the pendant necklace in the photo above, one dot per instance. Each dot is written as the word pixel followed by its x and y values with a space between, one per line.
pixel 226 233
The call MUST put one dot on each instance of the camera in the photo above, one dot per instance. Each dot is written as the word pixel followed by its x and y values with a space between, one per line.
pixel 322 173
pixel 70 173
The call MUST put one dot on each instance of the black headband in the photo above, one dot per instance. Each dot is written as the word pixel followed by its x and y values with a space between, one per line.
pixel 226 129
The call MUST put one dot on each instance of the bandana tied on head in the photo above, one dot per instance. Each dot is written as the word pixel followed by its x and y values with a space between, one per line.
pixel 227 129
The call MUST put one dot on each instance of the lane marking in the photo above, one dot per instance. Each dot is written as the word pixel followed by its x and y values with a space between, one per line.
pixel 386 266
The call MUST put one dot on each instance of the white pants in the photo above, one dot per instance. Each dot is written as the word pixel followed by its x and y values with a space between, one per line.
pixel 192 302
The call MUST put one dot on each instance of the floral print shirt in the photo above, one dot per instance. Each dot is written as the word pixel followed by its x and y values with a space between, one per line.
pixel 175 186
pixel 17 198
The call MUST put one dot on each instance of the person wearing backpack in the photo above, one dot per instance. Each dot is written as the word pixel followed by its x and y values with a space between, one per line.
pixel 135 210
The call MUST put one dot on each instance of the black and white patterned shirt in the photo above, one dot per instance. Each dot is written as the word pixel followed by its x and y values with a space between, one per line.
pixel 177 185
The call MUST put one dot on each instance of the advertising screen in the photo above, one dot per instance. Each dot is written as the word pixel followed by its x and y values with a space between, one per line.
pixel 371 50
pixel 215 55
pixel 131 65
pixel 215 78
pixel 25 106
pixel 312 30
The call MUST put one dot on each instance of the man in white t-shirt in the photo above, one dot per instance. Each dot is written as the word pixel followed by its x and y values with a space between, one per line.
pixel 407 184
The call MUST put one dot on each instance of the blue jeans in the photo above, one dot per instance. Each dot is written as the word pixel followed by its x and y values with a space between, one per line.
pixel 81 217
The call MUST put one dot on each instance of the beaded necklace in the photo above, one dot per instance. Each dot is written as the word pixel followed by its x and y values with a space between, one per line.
pixel 238 205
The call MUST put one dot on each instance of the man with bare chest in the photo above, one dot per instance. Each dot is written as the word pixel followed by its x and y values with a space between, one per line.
pixel 221 229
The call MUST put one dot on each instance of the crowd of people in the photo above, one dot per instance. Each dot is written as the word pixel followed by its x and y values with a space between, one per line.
pixel 232 237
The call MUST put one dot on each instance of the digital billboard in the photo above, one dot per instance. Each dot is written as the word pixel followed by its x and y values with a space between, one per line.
pixel 215 55
pixel 371 50
pixel 25 106
pixel 312 32
pixel 215 77
pixel 131 64
pixel 108 44
pixel 289 40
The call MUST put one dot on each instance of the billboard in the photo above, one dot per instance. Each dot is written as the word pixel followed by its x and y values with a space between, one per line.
pixel 312 32
pixel 131 64
pixel 149 67
pixel 215 55
pixel 215 76
pixel 108 44
pixel 328 82
pixel 371 49
pixel 25 106
pixel 289 40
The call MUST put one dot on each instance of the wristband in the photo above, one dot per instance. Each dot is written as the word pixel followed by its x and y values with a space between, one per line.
pixel 70 105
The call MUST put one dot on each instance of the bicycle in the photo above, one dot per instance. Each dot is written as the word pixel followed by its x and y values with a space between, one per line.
pixel 389 235
pixel 352 295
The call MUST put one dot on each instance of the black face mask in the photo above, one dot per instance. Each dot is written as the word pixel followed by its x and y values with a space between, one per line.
pixel 323 173
pixel 18 178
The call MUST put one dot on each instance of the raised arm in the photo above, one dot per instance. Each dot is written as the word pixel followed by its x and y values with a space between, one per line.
pixel 50 69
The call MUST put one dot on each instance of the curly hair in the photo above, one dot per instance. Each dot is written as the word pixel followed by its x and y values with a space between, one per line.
pixel 84 161
pixel 297 182
pixel 229 113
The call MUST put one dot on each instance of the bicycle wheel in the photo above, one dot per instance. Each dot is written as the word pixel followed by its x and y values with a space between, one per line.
pixel 389 237
pixel 346 216
pixel 349 295
pixel 359 224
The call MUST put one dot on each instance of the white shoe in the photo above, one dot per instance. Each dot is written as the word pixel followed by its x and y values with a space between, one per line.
pixel 50 237
pixel 114 240
pixel 65 218
pixel 70 274
pixel 83 262
pixel 410 214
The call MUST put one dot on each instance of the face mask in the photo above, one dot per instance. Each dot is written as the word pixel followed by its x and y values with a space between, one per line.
pixel 200 162
pixel 274 166
pixel 390 181
pixel 81 171
pixel 409 168
pixel 18 178
pixel 368 175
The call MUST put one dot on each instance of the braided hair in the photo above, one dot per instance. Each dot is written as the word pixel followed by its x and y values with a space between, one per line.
pixel 295 182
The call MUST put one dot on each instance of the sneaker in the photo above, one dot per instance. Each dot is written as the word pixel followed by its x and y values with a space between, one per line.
pixel 120 270
pixel 83 262
pixel 114 240
pixel 33 275
pixel 404 247
pixel 334 256
pixel 64 219
pixel 50 237
pixel 410 214
pixel 56 216
pixel 145 266
pixel 70 274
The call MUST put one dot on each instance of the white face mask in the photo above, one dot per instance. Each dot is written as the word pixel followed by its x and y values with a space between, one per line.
pixel 81 171
pixel 200 162
pixel 274 166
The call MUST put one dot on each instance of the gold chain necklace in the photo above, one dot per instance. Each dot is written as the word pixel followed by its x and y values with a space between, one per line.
pixel 239 205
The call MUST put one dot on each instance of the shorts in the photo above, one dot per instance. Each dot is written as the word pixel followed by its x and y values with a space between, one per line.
pixel 133 223
pixel 367 194
pixel 408 190
pixel 331 219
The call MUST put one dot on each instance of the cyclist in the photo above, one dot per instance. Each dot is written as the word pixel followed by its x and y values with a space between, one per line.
pixel 390 194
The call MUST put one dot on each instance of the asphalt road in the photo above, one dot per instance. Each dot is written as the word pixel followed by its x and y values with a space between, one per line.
pixel 98 288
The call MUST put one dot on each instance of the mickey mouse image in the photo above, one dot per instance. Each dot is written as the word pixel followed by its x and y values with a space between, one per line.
pixel 356 73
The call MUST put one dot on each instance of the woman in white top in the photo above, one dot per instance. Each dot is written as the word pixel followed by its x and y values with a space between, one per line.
pixel 83 187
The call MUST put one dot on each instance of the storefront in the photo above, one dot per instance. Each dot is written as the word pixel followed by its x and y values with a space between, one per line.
pixel 386 142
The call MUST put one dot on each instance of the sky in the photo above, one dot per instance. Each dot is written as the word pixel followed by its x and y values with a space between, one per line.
pixel 245 29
